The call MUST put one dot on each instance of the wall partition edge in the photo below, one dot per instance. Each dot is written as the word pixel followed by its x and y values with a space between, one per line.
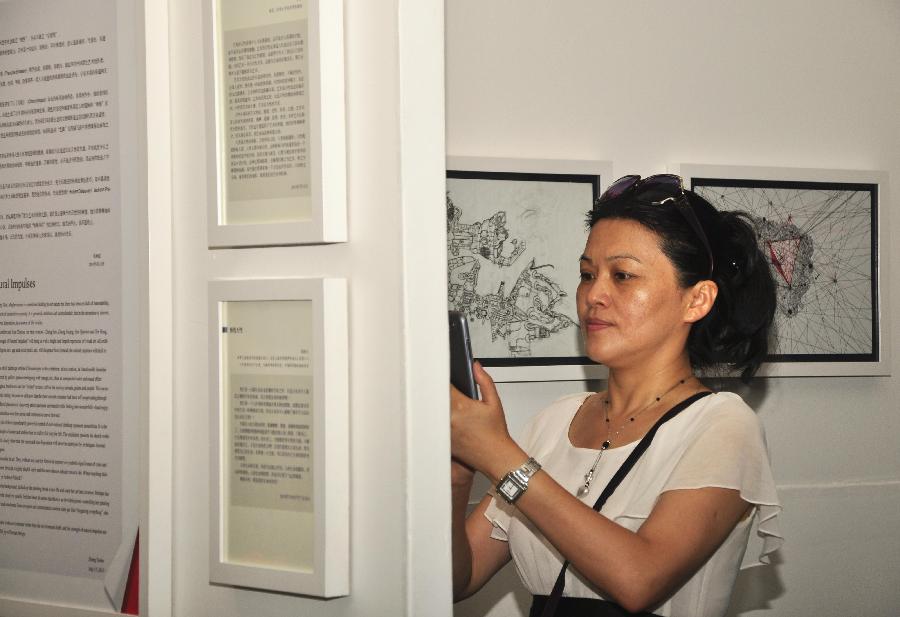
pixel 422 176
pixel 157 388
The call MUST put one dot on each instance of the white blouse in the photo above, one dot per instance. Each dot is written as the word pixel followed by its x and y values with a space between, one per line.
pixel 716 442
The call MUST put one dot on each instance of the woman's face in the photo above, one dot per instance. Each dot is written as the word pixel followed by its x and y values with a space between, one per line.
pixel 631 308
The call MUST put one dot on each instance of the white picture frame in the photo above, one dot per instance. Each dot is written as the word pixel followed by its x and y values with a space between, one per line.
pixel 315 561
pixel 277 165
pixel 514 181
pixel 843 296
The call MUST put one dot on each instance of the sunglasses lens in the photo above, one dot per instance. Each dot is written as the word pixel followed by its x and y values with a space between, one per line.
pixel 619 187
pixel 660 188
pixel 664 179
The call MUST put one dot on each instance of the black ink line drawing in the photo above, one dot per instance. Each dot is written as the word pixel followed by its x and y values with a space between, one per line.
pixel 821 241
pixel 511 240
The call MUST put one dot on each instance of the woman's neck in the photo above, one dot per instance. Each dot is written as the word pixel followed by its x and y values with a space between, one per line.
pixel 630 390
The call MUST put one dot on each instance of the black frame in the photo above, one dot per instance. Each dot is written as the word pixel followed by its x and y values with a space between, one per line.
pixel 874 354
pixel 594 180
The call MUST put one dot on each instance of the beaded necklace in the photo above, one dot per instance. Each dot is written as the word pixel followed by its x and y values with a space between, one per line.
pixel 589 476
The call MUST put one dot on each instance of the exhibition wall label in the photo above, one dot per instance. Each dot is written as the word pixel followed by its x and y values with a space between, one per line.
pixel 68 504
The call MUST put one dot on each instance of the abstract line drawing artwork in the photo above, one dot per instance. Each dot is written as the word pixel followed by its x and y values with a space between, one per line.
pixel 821 242
pixel 513 243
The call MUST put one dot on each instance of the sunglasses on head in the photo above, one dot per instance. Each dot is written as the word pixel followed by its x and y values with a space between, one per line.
pixel 660 184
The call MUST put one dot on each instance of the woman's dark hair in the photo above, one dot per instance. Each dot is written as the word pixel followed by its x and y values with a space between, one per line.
pixel 735 333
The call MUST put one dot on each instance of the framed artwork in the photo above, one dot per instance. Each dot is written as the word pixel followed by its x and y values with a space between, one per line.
pixel 822 233
pixel 515 232
pixel 279 426
pixel 277 168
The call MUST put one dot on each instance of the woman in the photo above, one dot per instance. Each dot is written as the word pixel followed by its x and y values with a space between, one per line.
pixel 668 285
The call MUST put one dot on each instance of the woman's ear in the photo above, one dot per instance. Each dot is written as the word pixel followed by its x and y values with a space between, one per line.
pixel 700 300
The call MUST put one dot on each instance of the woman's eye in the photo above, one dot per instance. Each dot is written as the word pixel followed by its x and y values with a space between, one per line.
pixel 586 276
pixel 623 276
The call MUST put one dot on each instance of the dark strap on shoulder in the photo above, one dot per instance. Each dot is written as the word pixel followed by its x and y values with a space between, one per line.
pixel 556 594
pixel 642 447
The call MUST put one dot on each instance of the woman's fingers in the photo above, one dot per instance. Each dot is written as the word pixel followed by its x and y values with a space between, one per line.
pixel 486 385
pixel 454 395
pixel 461 420
pixel 476 427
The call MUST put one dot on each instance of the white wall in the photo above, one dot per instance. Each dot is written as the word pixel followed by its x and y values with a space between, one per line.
pixel 399 514
pixel 783 83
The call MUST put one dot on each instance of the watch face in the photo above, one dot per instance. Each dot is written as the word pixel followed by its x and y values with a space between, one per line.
pixel 509 489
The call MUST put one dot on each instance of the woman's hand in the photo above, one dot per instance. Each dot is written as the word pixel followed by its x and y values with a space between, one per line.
pixel 478 432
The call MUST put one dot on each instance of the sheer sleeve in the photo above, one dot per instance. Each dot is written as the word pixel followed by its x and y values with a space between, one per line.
pixel 499 513
pixel 731 452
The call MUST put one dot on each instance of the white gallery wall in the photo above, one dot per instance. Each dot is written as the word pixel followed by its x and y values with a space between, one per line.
pixel 399 516
pixel 778 83
pixel 644 85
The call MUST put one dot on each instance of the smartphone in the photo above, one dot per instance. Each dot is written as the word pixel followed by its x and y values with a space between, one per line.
pixel 461 373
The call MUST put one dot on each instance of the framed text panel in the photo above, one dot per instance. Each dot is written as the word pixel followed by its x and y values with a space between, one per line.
pixel 276 123
pixel 279 424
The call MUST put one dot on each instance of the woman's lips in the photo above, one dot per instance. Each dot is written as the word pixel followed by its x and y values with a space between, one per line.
pixel 595 325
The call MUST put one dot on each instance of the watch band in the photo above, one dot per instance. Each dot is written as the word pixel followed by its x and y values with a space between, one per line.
pixel 514 484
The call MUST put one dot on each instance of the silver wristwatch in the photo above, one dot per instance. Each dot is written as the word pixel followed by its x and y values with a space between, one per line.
pixel 515 483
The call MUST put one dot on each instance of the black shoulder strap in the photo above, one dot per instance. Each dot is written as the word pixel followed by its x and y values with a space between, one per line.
pixel 556 594
pixel 642 447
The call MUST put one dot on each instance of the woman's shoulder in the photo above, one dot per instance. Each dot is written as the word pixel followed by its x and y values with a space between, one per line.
pixel 729 408
pixel 722 416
